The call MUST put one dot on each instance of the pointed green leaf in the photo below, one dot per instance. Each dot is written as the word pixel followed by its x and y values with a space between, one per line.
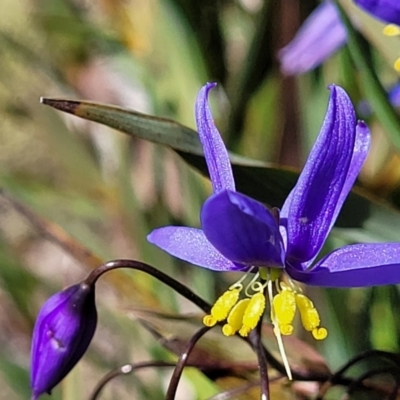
pixel 155 129
pixel 265 182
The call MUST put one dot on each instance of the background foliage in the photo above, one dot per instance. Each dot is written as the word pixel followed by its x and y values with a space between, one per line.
pixel 107 190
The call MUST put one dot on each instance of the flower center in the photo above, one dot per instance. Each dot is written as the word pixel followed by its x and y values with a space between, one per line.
pixel 393 30
pixel 243 314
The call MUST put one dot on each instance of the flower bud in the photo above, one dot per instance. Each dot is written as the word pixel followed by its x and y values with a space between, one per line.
pixel 63 331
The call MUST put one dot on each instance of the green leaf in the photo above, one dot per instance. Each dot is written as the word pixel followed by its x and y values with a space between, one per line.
pixel 265 182
pixel 155 129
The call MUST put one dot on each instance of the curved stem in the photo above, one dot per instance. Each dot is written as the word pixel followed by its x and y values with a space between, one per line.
pixel 176 376
pixel 394 358
pixel 255 340
pixel 148 269
pixel 358 383
pixel 231 394
pixel 125 370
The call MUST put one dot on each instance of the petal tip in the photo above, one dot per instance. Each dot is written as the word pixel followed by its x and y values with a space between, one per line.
pixel 152 236
pixel 208 86
pixel 331 86
pixel 361 124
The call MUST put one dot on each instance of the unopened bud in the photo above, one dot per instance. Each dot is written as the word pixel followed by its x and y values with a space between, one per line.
pixel 63 331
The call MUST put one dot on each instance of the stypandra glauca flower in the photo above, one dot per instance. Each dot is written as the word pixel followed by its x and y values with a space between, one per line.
pixel 276 249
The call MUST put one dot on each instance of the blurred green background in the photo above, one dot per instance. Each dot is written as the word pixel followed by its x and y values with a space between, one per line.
pixel 107 190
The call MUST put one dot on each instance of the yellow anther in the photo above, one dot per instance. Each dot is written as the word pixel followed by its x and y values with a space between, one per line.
pixel 235 318
pixel 310 317
pixel 286 329
pixel 319 333
pixel 222 307
pixel 209 320
pixel 253 313
pixel 284 308
pixel 396 65
pixel 391 30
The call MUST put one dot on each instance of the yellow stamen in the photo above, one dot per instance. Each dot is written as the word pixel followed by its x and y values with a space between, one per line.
pixel 242 316
pixel 284 306
pixel 391 30
pixel 235 318
pixel 277 333
pixel 253 313
pixel 396 65
pixel 319 333
pixel 222 307
pixel 253 285
pixel 310 317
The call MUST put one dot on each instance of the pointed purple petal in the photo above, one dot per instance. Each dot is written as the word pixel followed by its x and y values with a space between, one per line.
pixel 319 37
pixel 191 245
pixel 386 10
pixel 313 204
pixel 214 149
pixel 242 229
pixel 357 265
pixel 361 148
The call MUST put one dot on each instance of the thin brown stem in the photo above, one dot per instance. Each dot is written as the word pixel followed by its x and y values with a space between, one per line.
pixel 255 340
pixel 148 269
pixel 126 370
pixel 180 365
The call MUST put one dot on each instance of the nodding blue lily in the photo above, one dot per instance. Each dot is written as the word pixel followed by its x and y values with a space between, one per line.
pixel 240 234
pixel 323 33
pixel 385 10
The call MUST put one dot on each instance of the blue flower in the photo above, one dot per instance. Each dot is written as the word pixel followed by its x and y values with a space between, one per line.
pixel 240 234
pixel 323 33
pixel 385 10
pixel 63 331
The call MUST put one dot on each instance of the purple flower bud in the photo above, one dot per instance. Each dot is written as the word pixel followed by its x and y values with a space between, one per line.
pixel 63 331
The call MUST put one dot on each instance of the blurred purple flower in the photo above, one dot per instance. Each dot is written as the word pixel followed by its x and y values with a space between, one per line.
pixel 239 233
pixel 365 110
pixel 63 331
pixel 385 10
pixel 321 35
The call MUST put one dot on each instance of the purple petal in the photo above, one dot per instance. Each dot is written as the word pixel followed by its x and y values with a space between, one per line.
pixel 214 149
pixel 361 148
pixel 242 229
pixel 319 37
pixel 357 265
pixel 386 10
pixel 311 208
pixel 364 108
pixel 191 245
